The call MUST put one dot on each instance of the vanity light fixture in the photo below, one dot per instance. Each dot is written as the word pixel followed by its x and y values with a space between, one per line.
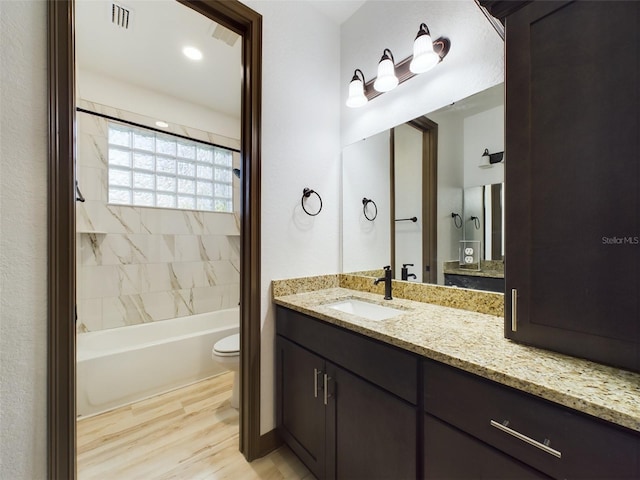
pixel 424 56
pixel 192 53
pixel 357 98
pixel 387 79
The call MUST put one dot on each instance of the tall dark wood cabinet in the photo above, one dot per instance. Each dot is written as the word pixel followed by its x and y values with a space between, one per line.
pixel 573 178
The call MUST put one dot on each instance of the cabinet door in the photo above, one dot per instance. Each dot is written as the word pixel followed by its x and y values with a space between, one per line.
pixel 301 412
pixel 452 454
pixel 572 179
pixel 372 432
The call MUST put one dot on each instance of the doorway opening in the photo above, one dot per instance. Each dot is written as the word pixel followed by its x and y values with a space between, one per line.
pixel 62 236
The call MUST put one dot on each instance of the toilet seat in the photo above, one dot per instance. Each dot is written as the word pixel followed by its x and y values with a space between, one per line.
pixel 228 346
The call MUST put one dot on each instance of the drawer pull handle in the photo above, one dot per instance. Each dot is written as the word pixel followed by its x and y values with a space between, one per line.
pixel 514 310
pixel 326 389
pixel 542 446
pixel 316 372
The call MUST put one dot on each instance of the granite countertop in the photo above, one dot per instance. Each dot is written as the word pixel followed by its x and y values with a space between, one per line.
pixel 475 342
pixel 488 269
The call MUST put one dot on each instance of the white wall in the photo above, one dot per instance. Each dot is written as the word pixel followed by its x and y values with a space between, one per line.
pixel 366 169
pixel 474 63
pixel 408 193
pixel 23 239
pixel 99 88
pixel 450 180
pixel 483 130
pixel 300 148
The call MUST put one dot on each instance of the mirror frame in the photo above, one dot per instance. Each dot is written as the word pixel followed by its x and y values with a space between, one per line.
pixel 61 368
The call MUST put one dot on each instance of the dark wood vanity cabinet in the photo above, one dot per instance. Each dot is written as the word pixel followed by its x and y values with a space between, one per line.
pixel 573 176
pixel 450 453
pixel 499 432
pixel 354 408
pixel 488 284
pixel 345 406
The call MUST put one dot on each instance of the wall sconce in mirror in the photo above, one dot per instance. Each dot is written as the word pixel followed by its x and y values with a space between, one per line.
pixel 426 55
pixel 488 160
pixel 357 98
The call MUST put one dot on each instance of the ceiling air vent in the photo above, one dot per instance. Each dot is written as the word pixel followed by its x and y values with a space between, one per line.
pixel 120 15
pixel 225 35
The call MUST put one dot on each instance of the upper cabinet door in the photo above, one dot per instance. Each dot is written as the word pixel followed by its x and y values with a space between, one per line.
pixel 573 179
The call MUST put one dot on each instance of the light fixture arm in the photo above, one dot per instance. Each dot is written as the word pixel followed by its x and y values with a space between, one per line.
pixel 356 77
pixel 387 55
pixel 423 30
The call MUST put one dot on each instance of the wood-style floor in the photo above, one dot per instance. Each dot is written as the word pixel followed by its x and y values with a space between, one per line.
pixel 190 433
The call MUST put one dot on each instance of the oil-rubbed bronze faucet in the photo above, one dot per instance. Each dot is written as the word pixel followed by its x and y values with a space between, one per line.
pixel 387 282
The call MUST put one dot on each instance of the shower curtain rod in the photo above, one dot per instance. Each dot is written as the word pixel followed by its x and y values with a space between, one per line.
pixel 139 125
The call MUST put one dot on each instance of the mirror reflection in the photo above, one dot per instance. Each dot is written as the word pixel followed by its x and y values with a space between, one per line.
pixel 428 178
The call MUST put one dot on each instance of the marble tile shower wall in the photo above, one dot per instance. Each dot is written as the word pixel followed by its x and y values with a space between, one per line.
pixel 138 264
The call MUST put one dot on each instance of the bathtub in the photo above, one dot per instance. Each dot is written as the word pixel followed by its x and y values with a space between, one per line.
pixel 122 365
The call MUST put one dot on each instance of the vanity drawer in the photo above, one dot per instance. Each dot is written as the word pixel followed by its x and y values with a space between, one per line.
pixel 553 439
pixel 390 368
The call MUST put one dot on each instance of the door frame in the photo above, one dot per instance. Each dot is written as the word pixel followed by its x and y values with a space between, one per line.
pixel 61 368
pixel 429 202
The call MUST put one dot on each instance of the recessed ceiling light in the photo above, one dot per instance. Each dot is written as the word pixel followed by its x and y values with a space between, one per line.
pixel 192 53
pixel 162 124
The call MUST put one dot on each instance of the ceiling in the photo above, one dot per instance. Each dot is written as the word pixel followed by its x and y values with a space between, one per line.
pixel 148 53
pixel 337 10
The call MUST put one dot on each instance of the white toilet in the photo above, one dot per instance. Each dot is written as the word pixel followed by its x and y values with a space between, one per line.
pixel 226 352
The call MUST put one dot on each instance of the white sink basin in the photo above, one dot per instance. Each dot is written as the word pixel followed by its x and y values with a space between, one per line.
pixel 361 308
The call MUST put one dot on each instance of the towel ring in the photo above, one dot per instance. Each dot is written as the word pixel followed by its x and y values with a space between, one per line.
pixel 476 222
pixel 306 193
pixel 365 202
pixel 457 220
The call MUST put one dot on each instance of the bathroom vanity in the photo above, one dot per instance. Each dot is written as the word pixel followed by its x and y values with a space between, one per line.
pixel 436 392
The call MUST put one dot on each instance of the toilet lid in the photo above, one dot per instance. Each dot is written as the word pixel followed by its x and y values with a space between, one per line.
pixel 230 344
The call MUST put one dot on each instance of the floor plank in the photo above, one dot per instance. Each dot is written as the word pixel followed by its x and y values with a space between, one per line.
pixel 186 434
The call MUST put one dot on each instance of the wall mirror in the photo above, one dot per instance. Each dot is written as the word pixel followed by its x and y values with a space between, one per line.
pixel 422 219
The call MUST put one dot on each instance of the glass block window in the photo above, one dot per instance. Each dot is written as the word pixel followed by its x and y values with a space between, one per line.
pixel 151 169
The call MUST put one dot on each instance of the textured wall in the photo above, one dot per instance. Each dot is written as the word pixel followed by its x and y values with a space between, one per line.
pixel 300 148
pixel 149 263
pixel 23 239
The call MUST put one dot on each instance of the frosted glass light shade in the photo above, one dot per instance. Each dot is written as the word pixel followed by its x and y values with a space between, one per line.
pixel 424 57
pixel 387 79
pixel 356 97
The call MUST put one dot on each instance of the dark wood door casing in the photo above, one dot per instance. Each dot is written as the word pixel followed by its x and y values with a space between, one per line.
pixel 429 198
pixel 61 369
